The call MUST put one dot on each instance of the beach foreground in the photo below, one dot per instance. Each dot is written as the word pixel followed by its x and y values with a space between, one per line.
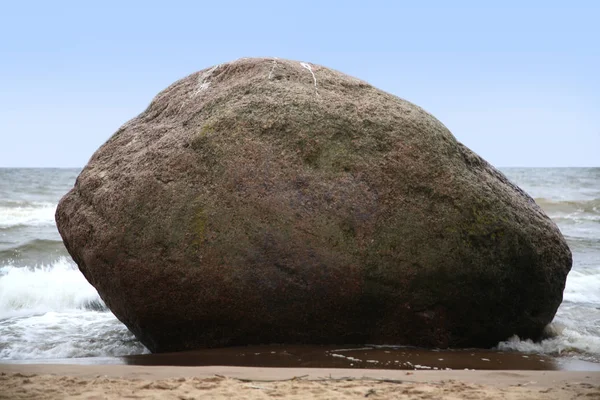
pixel 123 381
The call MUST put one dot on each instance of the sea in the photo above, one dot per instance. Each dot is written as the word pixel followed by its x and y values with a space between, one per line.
pixel 48 311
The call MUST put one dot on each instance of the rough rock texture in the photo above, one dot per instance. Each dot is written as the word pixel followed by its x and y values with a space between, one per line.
pixel 273 201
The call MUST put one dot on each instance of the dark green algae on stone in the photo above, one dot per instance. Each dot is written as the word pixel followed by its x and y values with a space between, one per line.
pixel 273 201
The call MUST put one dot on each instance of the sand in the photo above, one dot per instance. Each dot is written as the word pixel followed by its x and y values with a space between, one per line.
pixel 156 382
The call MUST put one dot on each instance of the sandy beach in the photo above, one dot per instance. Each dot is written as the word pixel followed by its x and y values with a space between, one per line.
pixel 30 381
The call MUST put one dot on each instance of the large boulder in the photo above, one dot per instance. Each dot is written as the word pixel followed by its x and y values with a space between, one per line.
pixel 273 201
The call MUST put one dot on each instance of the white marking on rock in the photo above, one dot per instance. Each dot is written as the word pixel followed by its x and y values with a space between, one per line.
pixel 203 83
pixel 202 86
pixel 309 68
pixel 272 67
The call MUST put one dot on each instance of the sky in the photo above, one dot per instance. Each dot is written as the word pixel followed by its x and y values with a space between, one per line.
pixel 516 81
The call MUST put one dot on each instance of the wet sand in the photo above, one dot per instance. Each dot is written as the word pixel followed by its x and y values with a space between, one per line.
pixel 299 372
pixel 352 357
pixel 362 357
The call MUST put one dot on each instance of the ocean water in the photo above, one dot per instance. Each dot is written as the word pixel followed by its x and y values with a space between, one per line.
pixel 571 197
pixel 48 310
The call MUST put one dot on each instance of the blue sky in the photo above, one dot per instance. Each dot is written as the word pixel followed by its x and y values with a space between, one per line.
pixel 516 83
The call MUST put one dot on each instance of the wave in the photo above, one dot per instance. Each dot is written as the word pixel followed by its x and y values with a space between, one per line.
pixel 26 213
pixel 569 343
pixel 584 244
pixel 52 312
pixel 571 209
pixel 58 287
pixel 73 334
pixel 37 248
pixel 583 287
pixel 572 333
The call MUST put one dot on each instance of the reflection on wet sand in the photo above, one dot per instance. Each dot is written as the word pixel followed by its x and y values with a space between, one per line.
pixel 353 357
pixel 363 357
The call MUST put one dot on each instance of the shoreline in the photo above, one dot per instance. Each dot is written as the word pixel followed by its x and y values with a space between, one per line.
pixel 117 381
pixel 366 357
pixel 500 378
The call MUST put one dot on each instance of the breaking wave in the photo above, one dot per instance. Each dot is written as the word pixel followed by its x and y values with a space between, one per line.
pixel 57 287
pixel 570 209
pixel 51 311
pixel 16 213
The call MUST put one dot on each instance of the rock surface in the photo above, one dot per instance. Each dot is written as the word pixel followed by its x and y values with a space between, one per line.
pixel 273 201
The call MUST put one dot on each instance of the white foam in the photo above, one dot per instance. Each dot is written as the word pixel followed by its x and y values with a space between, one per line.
pixel 32 215
pixel 569 341
pixel 45 313
pixel 346 357
pixel 575 329
pixel 417 366
pixel 582 287
pixel 66 335
pixel 576 326
pixel 57 287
